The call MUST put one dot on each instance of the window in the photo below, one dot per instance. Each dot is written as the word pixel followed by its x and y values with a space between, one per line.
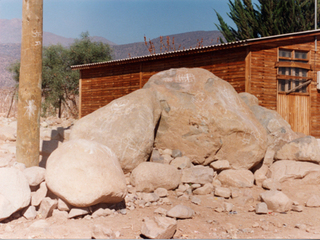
pixel 293 68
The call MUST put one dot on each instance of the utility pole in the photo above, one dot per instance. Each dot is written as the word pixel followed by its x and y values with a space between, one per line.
pixel 29 103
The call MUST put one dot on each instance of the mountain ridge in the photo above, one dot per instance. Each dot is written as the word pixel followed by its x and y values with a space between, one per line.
pixel 10 45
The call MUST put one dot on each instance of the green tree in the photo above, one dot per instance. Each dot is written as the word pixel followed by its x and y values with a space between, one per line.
pixel 60 83
pixel 269 17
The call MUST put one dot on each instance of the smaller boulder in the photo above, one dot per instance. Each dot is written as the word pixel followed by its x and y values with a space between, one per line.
pixel 205 189
pixel 180 211
pixel 35 175
pixel 241 178
pixel 159 227
pixel 313 201
pixel 276 201
pixel 261 208
pixel 181 162
pixel 222 192
pixel 149 176
pixel 197 174
pixel 220 165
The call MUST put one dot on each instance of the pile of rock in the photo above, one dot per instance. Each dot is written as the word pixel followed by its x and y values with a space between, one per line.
pixel 186 133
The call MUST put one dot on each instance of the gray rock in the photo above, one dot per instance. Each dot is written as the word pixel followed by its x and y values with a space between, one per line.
pixel 156 157
pixel 176 153
pixel 149 176
pixel 197 174
pixel 241 178
pixel 159 227
pixel 302 149
pixel 180 211
pixel 276 201
pixel 222 192
pixel 46 207
pixel 261 208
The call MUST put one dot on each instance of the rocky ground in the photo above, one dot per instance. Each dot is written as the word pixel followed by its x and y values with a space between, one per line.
pixel 202 216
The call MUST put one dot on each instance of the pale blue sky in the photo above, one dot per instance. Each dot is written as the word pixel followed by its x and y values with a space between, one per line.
pixel 124 21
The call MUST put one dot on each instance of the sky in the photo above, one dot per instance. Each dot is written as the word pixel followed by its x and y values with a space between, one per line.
pixel 124 21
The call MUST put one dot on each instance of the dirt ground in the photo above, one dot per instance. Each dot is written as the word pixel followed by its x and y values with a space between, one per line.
pixel 208 221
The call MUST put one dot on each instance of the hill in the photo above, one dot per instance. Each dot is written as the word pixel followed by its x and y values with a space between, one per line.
pixel 10 45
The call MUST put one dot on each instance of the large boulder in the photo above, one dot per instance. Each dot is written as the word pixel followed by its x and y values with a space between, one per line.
pixel 279 130
pixel 205 118
pixel 302 149
pixel 149 176
pixel 126 125
pixel 15 192
pixel 84 173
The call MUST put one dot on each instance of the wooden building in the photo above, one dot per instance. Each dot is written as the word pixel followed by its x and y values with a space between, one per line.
pixel 281 71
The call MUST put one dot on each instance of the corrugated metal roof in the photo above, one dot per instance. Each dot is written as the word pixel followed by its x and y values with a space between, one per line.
pixel 234 44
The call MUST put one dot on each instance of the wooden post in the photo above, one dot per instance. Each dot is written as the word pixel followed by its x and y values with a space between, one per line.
pixel 29 103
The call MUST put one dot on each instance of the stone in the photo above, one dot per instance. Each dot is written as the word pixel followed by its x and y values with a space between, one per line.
pixel 181 212
pixel 197 174
pixel 204 117
pixel 222 192
pixel 63 206
pixel 161 211
pixel 167 158
pixel 276 201
pixel 35 175
pixel 15 192
pixel 220 165
pixel 60 214
pixel 156 157
pixel 150 197
pixel 195 200
pixel 181 162
pixel 73 168
pixel 301 149
pixel 283 170
pixel 205 189
pixel 30 213
pixel 313 201
pixel 100 231
pixel 261 208
pixel 149 176
pixel 297 208
pixel 76 212
pixel 39 195
pixel 126 125
pixel 47 206
pixel 216 183
pixel 101 212
pixel 161 192
pixel 260 175
pixel 159 227
pixel 167 151
pixel 176 153
pixel 241 178
pixel 271 184
pixel 227 207
pixel 269 157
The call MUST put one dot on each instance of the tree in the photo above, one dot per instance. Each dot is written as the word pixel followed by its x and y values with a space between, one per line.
pixel 59 82
pixel 269 17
